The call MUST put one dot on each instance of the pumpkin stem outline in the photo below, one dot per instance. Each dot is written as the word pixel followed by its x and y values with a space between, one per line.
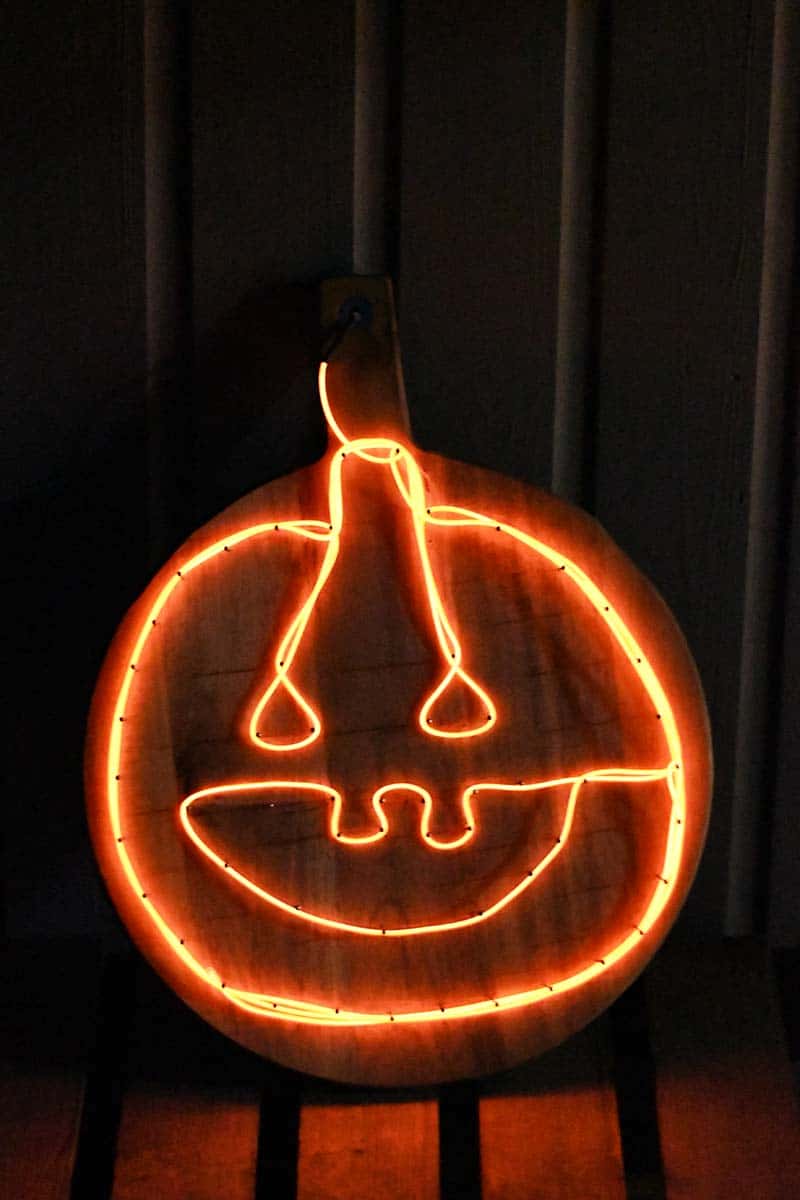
pixel 409 482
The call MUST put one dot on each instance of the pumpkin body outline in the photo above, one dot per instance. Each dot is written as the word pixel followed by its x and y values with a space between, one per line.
pixel 131 643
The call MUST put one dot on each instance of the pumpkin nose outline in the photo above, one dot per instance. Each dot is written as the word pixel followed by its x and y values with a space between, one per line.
pixel 409 482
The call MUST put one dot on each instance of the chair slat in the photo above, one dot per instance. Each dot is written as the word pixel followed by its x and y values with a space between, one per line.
pixel 190 1109
pixel 362 1151
pixel 178 1142
pixel 552 1132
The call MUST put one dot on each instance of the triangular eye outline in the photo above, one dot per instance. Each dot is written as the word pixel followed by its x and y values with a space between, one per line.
pixel 426 722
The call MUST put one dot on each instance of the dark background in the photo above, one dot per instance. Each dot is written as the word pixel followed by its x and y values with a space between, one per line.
pixel 572 201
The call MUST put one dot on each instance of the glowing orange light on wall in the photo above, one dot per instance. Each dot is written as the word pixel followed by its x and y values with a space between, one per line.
pixel 407 477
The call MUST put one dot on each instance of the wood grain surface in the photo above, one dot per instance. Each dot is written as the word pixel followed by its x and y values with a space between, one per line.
pixel 569 702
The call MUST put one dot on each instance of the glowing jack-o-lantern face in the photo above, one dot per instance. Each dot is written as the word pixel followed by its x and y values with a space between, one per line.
pixel 397 761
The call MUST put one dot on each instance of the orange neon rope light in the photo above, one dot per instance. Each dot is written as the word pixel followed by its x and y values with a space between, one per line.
pixel 412 490
pixel 408 479
pixel 575 783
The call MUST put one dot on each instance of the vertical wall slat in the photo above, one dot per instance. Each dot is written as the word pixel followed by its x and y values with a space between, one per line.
pixel 370 137
pixel 167 165
pixel 583 72
pixel 272 190
pixel 686 154
pixel 272 133
pixel 784 910
pixel 168 268
pixel 756 742
pixel 481 134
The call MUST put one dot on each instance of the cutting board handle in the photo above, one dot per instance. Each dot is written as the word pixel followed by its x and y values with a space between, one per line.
pixel 365 372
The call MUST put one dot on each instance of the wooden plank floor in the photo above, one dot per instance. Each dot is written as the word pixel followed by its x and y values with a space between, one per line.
pixel 549 1129
pixel 190 1112
pixel 369 1149
pixel 102 1100
pixel 727 1110
pixel 47 1012
pixel 160 1136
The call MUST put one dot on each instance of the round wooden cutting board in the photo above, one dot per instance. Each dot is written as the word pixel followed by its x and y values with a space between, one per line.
pixel 398 771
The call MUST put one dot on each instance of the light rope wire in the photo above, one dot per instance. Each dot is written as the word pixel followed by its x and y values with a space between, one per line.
pixel 408 479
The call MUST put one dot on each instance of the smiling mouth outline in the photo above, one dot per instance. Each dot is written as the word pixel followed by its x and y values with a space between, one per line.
pixel 574 782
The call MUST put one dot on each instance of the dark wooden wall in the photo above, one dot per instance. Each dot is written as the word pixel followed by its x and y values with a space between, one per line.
pixel 588 208
pixel 572 199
